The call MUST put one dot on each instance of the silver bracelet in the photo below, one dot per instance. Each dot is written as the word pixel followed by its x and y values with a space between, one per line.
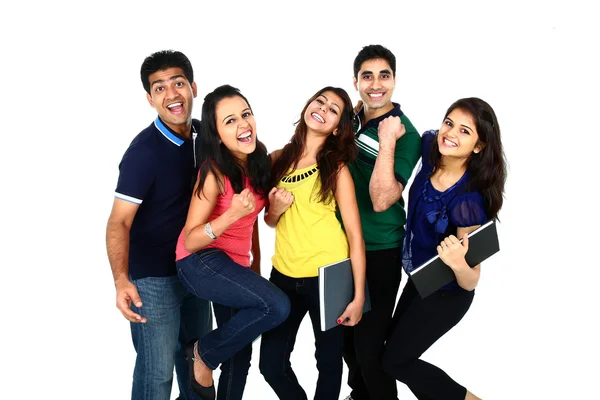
pixel 208 230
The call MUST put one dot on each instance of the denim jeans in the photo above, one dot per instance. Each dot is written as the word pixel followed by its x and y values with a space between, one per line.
pixel 277 344
pixel 175 316
pixel 212 275
pixel 234 371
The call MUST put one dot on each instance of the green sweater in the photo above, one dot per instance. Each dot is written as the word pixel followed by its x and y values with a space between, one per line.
pixel 383 230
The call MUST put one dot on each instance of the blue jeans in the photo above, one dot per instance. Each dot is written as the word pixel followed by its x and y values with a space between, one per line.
pixel 212 275
pixel 175 316
pixel 234 371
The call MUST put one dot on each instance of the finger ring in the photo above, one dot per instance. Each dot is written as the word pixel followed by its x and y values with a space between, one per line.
pixel 443 244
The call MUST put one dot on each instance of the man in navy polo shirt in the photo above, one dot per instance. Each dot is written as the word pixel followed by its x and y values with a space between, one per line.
pixel 149 211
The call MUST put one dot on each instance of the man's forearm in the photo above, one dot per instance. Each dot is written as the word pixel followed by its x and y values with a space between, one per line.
pixel 384 189
pixel 117 248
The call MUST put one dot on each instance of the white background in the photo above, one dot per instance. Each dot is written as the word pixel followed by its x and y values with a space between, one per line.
pixel 72 101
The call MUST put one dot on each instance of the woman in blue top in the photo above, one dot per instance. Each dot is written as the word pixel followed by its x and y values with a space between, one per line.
pixel 459 187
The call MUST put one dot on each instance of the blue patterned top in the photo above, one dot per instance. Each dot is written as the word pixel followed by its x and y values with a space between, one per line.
pixel 433 215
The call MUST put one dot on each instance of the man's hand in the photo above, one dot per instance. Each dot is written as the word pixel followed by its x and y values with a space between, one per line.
pixel 126 294
pixel 390 130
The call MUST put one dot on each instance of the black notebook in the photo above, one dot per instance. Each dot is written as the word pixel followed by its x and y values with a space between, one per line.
pixel 433 274
pixel 336 291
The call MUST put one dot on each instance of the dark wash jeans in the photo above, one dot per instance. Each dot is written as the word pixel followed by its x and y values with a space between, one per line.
pixel 234 371
pixel 277 344
pixel 212 275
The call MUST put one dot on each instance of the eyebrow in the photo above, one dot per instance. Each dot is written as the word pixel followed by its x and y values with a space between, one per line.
pixel 230 115
pixel 174 77
pixel 466 126
pixel 383 71
pixel 333 102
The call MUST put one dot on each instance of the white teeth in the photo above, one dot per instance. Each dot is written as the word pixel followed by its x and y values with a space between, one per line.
pixel 317 116
pixel 245 135
pixel 450 143
pixel 376 95
pixel 173 105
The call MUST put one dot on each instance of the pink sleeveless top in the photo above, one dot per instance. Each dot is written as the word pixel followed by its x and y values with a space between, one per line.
pixel 236 241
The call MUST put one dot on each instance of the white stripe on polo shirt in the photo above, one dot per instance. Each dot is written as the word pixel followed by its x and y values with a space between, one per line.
pixel 368 144
pixel 128 198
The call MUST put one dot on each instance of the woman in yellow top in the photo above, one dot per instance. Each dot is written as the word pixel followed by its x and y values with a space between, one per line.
pixel 311 180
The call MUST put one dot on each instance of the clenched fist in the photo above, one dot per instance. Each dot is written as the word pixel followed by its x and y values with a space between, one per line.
pixel 390 130
pixel 280 200
pixel 242 204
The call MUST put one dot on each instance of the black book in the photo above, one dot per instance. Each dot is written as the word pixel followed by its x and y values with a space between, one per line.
pixel 433 274
pixel 336 291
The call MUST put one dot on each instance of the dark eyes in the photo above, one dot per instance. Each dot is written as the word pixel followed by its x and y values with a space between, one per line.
pixel 321 102
pixel 450 124
pixel 245 115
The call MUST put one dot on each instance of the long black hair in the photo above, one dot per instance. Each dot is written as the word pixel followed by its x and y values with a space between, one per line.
pixel 215 157
pixel 487 168
pixel 338 149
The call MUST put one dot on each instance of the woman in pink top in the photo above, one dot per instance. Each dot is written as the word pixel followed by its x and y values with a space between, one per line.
pixel 213 251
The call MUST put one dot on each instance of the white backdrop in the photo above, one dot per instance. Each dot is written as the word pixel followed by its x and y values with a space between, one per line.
pixel 72 101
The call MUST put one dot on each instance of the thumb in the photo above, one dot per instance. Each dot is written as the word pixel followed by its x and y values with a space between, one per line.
pixel 343 317
pixel 135 297
pixel 273 191
pixel 465 241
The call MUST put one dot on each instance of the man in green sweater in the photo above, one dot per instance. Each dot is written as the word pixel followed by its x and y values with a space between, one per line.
pixel 389 147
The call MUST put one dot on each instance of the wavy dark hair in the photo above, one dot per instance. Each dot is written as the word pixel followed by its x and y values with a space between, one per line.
pixel 487 169
pixel 338 149
pixel 215 157
pixel 162 60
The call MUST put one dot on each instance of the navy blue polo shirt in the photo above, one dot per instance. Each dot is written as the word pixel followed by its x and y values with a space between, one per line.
pixel 157 172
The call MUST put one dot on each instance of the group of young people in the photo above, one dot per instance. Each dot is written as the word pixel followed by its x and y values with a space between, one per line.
pixel 182 234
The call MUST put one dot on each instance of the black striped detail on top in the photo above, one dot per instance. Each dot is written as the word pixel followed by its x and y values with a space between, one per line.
pixel 299 177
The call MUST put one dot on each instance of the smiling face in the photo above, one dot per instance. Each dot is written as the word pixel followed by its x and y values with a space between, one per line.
pixel 172 95
pixel 458 137
pixel 322 115
pixel 236 126
pixel 375 84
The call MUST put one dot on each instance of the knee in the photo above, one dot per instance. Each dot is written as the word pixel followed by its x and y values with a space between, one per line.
pixel 279 308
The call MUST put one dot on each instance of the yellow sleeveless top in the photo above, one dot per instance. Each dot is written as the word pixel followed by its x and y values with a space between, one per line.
pixel 308 234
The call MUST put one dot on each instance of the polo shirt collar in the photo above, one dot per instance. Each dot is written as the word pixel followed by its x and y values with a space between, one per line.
pixel 168 132
pixel 358 117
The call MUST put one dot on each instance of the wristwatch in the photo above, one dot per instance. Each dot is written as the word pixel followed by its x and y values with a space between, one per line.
pixel 208 231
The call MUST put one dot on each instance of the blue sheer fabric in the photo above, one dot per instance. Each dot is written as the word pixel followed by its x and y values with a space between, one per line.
pixel 433 215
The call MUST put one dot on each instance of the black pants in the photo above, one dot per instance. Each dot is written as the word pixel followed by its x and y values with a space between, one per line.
pixel 277 344
pixel 419 323
pixel 364 343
